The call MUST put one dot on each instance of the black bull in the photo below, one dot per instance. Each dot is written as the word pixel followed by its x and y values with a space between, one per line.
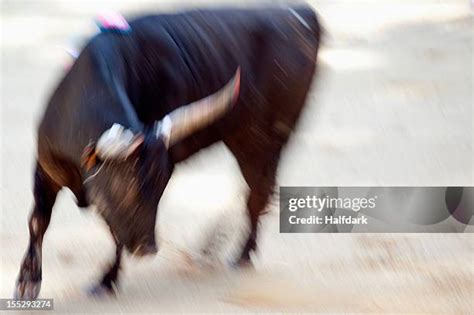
pixel 137 78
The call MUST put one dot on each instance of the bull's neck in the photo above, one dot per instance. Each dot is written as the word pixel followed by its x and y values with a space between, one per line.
pixel 90 99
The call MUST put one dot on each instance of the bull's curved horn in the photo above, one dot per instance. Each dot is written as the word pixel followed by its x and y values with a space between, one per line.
pixel 187 119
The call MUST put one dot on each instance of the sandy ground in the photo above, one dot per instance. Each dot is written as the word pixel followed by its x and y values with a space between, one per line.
pixel 392 106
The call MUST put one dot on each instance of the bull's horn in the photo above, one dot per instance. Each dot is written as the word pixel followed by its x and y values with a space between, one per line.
pixel 187 119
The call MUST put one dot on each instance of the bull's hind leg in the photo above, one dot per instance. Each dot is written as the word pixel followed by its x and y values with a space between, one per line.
pixel 29 280
pixel 260 176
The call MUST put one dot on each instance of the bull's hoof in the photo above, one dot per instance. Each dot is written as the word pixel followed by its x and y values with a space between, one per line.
pixel 101 290
pixel 27 290
pixel 242 263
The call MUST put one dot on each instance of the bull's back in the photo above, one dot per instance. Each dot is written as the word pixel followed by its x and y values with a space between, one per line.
pixel 192 54
pixel 276 49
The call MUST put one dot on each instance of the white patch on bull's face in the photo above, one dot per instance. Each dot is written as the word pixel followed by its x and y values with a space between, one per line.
pixel 114 142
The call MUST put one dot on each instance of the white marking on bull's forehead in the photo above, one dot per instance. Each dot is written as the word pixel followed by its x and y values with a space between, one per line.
pixel 302 21
pixel 114 142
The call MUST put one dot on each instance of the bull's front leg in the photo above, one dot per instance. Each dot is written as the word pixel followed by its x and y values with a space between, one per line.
pixel 109 281
pixel 29 280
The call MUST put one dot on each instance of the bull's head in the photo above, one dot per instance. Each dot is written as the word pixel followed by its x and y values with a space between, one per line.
pixel 131 171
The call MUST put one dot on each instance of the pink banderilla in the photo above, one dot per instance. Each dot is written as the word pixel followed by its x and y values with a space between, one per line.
pixel 112 21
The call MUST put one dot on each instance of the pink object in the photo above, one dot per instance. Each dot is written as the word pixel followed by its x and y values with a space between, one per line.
pixel 112 21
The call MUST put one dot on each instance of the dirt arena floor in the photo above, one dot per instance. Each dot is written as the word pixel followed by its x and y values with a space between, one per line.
pixel 392 105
